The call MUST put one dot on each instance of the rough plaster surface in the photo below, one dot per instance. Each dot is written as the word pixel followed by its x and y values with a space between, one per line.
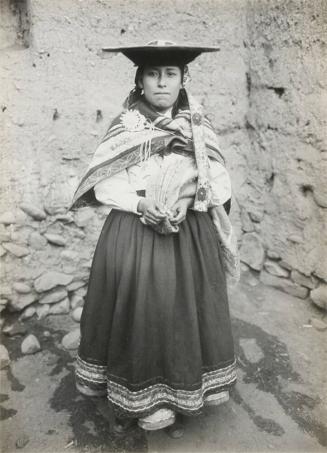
pixel 286 121
pixel 265 92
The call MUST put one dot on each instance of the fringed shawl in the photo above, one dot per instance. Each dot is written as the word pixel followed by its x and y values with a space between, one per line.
pixel 140 132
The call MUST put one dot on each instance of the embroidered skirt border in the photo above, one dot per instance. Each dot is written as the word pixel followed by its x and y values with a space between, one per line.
pixel 92 380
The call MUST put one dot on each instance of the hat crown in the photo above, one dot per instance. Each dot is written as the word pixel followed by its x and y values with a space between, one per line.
pixel 161 43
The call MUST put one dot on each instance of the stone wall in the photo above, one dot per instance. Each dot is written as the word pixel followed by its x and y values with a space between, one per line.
pixel 263 92
pixel 285 199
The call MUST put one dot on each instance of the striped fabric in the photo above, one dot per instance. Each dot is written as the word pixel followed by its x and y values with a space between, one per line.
pixel 137 134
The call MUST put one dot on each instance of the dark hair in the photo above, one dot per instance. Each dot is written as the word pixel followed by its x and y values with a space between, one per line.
pixel 136 93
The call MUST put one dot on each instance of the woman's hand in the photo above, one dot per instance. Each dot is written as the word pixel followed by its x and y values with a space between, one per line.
pixel 179 209
pixel 151 210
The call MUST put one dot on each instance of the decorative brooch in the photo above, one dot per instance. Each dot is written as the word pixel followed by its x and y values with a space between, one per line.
pixel 197 119
pixel 201 193
pixel 134 121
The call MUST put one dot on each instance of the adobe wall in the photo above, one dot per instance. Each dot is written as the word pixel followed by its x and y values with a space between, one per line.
pixel 263 92
pixel 285 199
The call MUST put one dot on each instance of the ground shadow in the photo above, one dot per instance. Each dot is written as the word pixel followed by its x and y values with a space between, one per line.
pixel 267 374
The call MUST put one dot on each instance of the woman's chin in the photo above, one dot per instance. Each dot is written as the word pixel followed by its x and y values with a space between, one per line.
pixel 162 106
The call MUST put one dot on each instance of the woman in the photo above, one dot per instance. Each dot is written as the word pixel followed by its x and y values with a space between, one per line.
pixel 155 330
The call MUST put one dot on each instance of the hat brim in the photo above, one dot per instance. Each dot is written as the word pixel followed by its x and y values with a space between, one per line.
pixel 175 55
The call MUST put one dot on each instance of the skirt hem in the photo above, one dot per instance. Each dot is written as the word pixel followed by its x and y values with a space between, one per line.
pixel 93 381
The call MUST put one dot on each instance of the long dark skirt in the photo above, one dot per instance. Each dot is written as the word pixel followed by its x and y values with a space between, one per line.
pixel 155 328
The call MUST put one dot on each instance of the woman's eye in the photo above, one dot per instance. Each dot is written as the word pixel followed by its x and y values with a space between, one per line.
pixel 152 73
pixel 171 74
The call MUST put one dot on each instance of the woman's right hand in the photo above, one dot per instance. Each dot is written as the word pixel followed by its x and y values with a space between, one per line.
pixel 151 210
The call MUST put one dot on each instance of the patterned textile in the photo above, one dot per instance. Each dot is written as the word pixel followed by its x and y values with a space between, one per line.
pixel 176 181
pixel 155 327
pixel 141 132
pixel 98 383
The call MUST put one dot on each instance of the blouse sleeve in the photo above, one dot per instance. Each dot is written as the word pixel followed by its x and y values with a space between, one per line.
pixel 117 193
pixel 220 183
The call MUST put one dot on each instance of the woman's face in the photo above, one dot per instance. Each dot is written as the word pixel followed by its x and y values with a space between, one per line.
pixel 161 85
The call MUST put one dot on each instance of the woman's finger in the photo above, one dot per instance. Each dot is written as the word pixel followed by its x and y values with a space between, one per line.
pixel 159 207
pixel 178 218
pixel 176 212
pixel 152 219
pixel 156 214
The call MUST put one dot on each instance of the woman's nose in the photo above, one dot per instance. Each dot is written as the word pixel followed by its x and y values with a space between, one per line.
pixel 162 81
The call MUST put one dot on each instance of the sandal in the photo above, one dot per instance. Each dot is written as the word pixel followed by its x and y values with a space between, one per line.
pixel 158 420
pixel 216 398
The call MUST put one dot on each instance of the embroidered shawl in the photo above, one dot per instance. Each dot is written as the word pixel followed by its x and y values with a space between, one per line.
pixel 140 132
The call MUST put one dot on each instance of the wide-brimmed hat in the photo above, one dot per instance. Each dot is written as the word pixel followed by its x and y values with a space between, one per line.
pixel 161 53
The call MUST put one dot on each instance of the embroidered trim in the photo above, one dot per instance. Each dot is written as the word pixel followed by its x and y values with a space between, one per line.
pixel 204 193
pixel 133 120
pixel 131 140
pixel 95 378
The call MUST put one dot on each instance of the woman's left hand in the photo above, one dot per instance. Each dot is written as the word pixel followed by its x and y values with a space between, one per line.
pixel 179 210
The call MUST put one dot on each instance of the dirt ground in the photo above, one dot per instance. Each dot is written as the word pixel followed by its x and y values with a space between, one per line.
pixel 278 404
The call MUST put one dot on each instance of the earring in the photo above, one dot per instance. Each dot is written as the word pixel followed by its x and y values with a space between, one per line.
pixel 186 76
pixel 142 92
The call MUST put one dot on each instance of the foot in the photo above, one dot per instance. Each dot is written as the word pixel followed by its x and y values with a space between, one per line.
pixel 158 420
pixel 123 426
pixel 176 431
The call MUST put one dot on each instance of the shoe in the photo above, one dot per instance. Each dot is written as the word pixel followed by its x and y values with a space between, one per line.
pixel 158 420
pixel 216 398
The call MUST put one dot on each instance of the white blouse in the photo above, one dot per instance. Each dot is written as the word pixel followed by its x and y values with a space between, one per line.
pixel 119 191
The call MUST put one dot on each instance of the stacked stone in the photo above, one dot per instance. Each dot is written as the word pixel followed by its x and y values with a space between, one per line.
pixel 46 258
pixel 276 272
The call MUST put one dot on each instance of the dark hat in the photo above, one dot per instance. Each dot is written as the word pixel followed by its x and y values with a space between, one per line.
pixel 161 53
